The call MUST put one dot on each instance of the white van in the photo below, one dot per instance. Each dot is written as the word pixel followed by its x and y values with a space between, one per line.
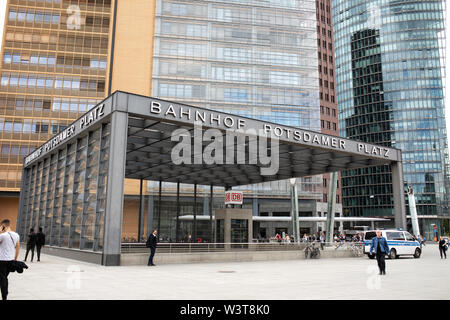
pixel 400 243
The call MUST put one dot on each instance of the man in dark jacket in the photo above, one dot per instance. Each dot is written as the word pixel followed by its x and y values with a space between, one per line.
pixel 442 247
pixel 31 244
pixel 380 247
pixel 151 243
pixel 40 242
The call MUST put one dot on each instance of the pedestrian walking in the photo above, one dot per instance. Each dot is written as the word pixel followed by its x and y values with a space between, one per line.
pixel 322 240
pixel 423 240
pixel 9 251
pixel 442 247
pixel 380 247
pixel 31 244
pixel 40 243
pixel 152 241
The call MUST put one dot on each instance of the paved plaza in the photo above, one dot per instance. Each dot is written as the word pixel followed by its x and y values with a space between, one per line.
pixel 346 278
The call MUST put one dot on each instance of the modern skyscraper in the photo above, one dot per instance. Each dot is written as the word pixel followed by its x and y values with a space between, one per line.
pixel 389 69
pixel 252 58
pixel 54 67
pixel 327 83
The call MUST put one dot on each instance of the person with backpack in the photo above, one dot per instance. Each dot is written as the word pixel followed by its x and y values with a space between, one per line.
pixel 40 242
pixel 9 251
pixel 31 244
pixel 152 241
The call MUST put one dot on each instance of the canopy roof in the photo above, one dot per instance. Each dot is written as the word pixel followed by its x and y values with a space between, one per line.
pixel 156 127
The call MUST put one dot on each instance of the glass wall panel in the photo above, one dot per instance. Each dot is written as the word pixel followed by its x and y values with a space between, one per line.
pixel 58 202
pixel 90 193
pixel 239 231
pixel 69 174
pixel 36 198
pixel 43 196
pixel 101 188
pixel 78 193
pixel 50 196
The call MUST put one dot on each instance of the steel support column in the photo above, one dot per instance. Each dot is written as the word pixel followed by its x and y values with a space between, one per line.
pixel 151 207
pixel 211 203
pixel 141 208
pixel 194 231
pixel 294 210
pixel 399 195
pixel 114 190
pixel 177 226
pixel 331 207
pixel 22 199
pixel 159 206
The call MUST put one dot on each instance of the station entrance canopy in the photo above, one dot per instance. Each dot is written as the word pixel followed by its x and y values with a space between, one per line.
pixel 73 184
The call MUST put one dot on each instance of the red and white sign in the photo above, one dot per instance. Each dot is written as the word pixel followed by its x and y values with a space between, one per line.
pixel 234 197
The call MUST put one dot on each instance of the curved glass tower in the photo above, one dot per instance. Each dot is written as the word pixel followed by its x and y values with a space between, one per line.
pixel 389 75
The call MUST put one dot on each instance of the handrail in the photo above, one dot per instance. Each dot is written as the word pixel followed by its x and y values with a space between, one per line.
pixel 190 247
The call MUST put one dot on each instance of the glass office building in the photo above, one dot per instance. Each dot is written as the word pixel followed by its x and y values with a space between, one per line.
pixel 389 69
pixel 251 58
pixel 54 68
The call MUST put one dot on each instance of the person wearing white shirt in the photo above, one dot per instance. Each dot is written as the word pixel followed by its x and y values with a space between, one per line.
pixel 9 251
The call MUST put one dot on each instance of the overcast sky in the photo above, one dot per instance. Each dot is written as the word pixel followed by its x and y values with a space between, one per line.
pixel 446 93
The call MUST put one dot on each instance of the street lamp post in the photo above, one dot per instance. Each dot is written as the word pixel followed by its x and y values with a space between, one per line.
pixel 294 209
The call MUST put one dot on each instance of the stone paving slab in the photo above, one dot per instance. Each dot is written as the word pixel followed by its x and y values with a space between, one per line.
pixel 56 278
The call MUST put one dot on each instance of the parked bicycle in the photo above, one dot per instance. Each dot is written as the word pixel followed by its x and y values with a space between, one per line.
pixel 312 251
pixel 338 245
pixel 357 250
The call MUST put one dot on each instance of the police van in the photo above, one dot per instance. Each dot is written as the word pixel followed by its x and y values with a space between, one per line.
pixel 400 243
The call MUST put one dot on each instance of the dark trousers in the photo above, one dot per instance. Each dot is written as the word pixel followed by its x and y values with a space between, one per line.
pixel 152 254
pixel 381 262
pixel 30 247
pixel 442 251
pixel 38 252
pixel 4 272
